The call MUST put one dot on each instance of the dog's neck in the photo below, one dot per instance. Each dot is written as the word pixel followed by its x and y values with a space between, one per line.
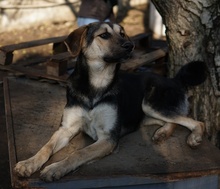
pixel 87 79
pixel 101 74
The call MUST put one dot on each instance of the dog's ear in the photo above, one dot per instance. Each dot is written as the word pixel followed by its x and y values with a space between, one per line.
pixel 74 41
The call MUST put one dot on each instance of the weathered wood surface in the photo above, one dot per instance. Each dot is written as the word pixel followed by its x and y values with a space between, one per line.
pixel 34 110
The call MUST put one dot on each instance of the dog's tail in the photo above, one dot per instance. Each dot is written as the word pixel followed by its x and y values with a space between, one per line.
pixel 192 74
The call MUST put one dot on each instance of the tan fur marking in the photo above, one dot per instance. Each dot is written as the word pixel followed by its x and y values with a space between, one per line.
pixel 196 127
pixel 97 150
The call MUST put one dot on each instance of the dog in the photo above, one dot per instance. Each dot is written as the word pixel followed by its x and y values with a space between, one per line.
pixel 107 104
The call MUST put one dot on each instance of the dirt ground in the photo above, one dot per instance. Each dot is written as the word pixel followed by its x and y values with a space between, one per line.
pixel 133 23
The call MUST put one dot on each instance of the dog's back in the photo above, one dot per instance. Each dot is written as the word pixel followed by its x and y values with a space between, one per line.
pixel 131 86
pixel 168 96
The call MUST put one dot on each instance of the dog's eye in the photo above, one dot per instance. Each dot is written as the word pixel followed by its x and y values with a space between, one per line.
pixel 105 35
pixel 122 34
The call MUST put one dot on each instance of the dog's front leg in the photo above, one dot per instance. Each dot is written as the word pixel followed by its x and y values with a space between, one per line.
pixel 70 127
pixel 95 151
pixel 59 139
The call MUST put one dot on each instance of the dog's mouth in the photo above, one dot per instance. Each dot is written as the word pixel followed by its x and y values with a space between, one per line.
pixel 118 58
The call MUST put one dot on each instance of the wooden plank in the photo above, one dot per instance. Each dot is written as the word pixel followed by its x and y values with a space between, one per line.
pixel 35 61
pixel 61 56
pixel 9 126
pixel 138 161
pixel 6 57
pixel 34 73
pixel 144 59
pixel 34 43
pixel 6 52
pixel 27 67
pixel 56 67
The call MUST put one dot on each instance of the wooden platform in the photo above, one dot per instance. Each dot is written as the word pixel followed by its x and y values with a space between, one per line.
pixel 33 112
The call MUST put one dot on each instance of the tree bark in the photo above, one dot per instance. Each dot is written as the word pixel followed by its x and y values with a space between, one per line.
pixel 193 33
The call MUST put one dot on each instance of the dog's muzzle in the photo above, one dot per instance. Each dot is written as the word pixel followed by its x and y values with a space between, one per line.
pixel 120 54
pixel 129 46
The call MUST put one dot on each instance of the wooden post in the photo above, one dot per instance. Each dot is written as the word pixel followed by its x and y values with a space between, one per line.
pixel 6 57
pixel 56 67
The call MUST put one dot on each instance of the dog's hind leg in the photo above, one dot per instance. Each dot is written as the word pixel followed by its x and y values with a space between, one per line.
pixel 197 127
pixel 163 132
pixel 152 121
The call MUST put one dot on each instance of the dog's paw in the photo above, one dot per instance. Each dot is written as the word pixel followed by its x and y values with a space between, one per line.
pixel 159 136
pixel 25 168
pixel 163 133
pixel 53 172
pixel 195 138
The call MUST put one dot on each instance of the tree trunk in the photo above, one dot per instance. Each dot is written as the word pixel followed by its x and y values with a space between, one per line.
pixel 193 33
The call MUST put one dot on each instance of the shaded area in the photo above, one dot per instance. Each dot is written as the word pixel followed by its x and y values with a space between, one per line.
pixel 138 156
pixel 5 181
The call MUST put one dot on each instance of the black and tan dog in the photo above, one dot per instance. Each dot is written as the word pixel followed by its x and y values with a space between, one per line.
pixel 106 104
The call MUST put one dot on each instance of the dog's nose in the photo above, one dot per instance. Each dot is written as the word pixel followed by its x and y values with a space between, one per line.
pixel 128 45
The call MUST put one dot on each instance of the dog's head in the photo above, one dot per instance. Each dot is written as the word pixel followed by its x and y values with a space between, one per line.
pixel 100 42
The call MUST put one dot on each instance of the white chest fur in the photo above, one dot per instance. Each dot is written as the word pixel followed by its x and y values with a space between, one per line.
pixel 100 74
pixel 97 123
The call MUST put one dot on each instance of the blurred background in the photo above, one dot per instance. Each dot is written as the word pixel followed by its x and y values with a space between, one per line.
pixel 27 20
